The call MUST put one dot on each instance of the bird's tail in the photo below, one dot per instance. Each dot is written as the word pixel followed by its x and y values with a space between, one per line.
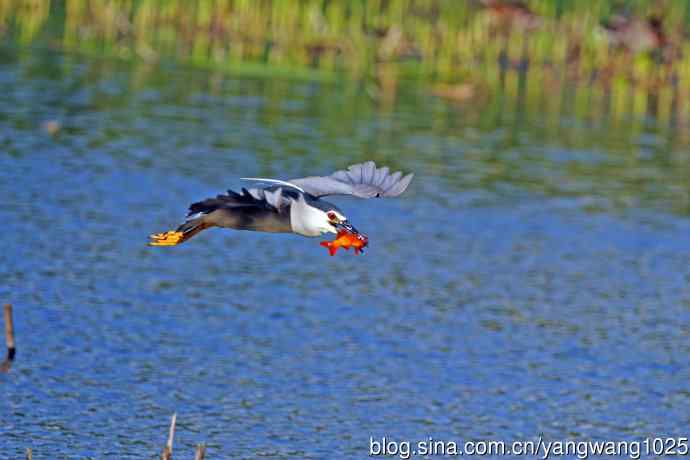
pixel 184 232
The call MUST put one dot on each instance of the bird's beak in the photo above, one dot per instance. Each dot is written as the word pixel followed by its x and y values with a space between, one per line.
pixel 347 226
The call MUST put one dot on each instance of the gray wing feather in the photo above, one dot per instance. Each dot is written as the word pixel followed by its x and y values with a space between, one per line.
pixel 273 197
pixel 381 174
pixel 363 180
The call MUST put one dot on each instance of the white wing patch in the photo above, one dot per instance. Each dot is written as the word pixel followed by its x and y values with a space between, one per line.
pixel 274 198
pixel 194 216
pixel 273 181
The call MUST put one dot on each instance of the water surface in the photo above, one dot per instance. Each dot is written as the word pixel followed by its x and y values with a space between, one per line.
pixel 533 280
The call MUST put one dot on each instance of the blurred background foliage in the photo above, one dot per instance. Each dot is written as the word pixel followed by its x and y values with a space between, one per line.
pixel 601 57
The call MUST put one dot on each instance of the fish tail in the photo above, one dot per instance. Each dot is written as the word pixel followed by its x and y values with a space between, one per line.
pixel 332 248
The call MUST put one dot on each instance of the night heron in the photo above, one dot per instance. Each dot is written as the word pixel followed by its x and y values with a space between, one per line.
pixel 293 206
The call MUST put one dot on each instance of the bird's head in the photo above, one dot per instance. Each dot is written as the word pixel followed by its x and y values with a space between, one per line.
pixel 339 222
pixel 316 217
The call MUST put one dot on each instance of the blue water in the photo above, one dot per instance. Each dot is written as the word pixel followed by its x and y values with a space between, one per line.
pixel 530 282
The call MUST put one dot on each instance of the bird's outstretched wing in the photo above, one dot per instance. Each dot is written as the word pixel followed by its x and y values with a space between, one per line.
pixel 362 180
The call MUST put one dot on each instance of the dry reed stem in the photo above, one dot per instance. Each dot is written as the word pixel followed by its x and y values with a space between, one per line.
pixel 9 339
pixel 200 451
pixel 167 451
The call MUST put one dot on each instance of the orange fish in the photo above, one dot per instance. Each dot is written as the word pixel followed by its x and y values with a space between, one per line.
pixel 346 240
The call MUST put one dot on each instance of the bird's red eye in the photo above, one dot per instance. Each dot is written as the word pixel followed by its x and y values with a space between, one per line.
pixel 332 216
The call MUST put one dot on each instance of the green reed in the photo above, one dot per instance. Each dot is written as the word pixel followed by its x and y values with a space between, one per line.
pixel 442 36
pixel 378 42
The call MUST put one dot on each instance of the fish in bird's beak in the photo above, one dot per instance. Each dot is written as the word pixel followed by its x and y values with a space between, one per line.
pixel 348 237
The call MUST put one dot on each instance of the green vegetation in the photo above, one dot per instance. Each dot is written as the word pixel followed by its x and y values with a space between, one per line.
pixel 462 50
pixel 443 37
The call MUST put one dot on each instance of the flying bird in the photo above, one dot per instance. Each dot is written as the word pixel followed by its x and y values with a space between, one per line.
pixel 294 206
